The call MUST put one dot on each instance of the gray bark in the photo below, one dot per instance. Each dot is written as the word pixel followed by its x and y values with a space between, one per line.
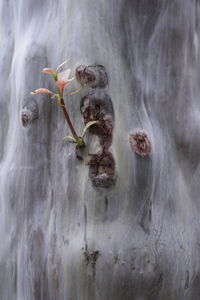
pixel 62 238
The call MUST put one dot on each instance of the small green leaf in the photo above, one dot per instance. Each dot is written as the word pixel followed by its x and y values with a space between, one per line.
pixel 55 96
pixel 87 126
pixel 61 65
pixel 55 76
pixel 73 93
pixel 70 138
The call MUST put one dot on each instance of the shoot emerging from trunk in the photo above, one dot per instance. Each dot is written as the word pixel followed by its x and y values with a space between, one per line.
pixel 61 81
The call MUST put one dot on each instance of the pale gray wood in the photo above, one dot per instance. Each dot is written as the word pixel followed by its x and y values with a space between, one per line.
pixel 61 238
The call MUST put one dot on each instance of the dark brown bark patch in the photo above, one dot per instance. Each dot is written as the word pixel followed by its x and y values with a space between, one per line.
pixel 97 106
pixel 102 169
pixel 140 143
pixel 93 76
pixel 29 113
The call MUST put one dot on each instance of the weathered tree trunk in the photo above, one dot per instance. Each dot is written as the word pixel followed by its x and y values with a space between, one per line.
pixel 61 237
